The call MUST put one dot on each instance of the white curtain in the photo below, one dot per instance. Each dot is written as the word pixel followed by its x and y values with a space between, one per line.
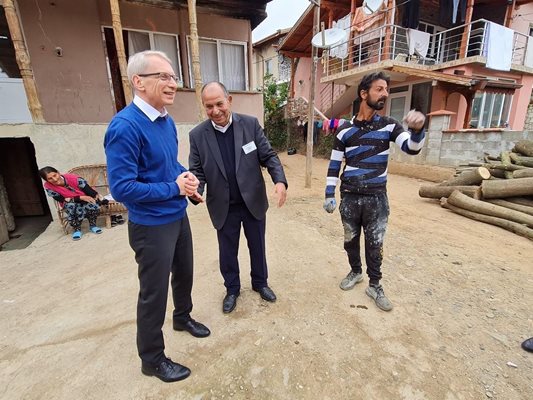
pixel 208 61
pixel 168 45
pixel 232 66
pixel 137 41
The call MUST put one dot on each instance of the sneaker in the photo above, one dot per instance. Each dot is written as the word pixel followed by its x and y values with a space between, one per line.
pixel 377 293
pixel 351 279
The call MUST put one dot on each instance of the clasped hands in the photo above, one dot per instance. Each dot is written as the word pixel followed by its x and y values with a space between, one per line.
pixel 188 184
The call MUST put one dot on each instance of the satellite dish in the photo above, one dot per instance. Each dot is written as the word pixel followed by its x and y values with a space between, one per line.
pixel 328 38
pixel 371 6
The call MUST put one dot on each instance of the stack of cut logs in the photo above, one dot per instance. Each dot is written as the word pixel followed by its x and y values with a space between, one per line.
pixel 498 191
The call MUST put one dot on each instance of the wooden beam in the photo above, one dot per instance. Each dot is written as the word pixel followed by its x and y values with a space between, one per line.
pixel 195 56
pixel 311 103
pixel 23 61
pixel 509 13
pixel 465 38
pixel 121 53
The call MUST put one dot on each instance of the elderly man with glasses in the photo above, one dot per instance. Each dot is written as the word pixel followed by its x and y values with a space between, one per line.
pixel 141 146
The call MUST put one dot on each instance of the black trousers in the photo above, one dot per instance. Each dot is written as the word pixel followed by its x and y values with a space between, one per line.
pixel 161 250
pixel 228 248
pixel 370 212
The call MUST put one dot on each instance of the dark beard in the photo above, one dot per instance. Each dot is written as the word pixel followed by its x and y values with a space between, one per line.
pixel 377 105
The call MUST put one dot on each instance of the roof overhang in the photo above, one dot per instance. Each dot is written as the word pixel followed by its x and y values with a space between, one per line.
pixel 253 10
pixel 460 80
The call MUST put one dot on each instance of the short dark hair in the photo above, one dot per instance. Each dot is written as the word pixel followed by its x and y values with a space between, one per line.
pixel 221 85
pixel 368 79
pixel 45 171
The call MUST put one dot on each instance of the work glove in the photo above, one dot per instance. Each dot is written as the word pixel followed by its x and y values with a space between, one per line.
pixel 330 204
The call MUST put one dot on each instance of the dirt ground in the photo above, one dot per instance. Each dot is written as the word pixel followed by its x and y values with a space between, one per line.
pixel 462 291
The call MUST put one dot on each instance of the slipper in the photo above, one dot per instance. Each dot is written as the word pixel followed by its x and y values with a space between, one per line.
pixel 76 235
pixel 119 219
pixel 95 229
pixel 527 345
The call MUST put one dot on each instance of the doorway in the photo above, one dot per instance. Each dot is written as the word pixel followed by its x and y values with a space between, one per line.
pixel 28 207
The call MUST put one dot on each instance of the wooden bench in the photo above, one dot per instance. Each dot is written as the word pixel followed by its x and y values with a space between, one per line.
pixel 96 177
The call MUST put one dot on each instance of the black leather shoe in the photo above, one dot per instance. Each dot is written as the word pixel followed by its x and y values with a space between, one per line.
pixel 527 345
pixel 229 303
pixel 167 371
pixel 266 294
pixel 193 327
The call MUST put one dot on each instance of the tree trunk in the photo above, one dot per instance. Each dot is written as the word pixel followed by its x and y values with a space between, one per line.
pixel 510 226
pixel 460 200
pixel 512 206
pixel 524 147
pixel 23 61
pixel 195 58
pixel 497 173
pixel 121 53
pixel 506 160
pixel 524 201
pixel 436 192
pixel 523 173
pixel 469 177
pixel 522 160
pixel 507 188
pixel 511 167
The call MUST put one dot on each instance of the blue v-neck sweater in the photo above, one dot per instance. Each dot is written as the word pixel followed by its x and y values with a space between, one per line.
pixel 142 166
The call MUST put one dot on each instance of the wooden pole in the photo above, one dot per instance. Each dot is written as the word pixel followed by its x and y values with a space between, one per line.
pixel 466 33
pixel 311 104
pixel 121 53
pixel 388 30
pixel 23 61
pixel 509 14
pixel 195 56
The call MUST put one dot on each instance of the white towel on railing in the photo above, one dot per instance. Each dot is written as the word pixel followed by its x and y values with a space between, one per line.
pixel 418 42
pixel 498 47
pixel 341 50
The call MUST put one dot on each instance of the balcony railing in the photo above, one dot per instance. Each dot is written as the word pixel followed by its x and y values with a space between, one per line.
pixel 390 42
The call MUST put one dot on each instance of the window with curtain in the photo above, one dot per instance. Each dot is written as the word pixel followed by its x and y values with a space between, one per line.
pixel 223 61
pixel 491 110
pixel 140 41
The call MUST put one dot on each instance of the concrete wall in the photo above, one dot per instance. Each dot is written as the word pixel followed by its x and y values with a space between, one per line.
pixel 448 148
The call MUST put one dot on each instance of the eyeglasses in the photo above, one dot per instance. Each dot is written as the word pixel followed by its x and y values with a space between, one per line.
pixel 162 76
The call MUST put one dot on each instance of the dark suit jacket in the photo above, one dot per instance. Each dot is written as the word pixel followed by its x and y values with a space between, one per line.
pixel 205 161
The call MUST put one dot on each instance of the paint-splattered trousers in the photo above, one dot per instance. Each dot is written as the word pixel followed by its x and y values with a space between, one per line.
pixel 370 212
pixel 76 212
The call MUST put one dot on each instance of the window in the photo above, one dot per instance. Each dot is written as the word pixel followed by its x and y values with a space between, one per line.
pixel 140 41
pixel 8 63
pixel 268 67
pixel 491 110
pixel 435 41
pixel 224 61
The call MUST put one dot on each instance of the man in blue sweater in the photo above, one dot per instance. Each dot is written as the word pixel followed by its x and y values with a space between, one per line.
pixel 363 144
pixel 141 146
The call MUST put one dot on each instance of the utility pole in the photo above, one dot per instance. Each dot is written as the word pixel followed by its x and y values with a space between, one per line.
pixel 311 111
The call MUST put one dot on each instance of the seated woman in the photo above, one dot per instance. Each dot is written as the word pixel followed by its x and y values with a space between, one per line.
pixel 75 196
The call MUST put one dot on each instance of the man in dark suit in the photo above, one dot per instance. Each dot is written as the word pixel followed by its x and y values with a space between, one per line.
pixel 227 153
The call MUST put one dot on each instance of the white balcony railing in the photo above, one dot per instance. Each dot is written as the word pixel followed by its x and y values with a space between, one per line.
pixel 390 42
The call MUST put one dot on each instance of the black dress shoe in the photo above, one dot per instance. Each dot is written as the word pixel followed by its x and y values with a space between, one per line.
pixel 167 371
pixel 229 303
pixel 266 294
pixel 193 327
pixel 527 345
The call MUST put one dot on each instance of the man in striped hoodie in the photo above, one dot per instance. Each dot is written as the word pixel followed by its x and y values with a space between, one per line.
pixel 363 144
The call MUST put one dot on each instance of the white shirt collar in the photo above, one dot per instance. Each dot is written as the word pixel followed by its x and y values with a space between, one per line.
pixel 150 111
pixel 223 129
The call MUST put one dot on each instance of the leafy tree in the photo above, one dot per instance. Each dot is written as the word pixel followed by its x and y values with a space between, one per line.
pixel 274 98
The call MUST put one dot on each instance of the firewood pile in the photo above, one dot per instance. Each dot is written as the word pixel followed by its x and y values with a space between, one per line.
pixel 497 191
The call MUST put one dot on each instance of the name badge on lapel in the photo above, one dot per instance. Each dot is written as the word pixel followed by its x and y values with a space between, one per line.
pixel 249 147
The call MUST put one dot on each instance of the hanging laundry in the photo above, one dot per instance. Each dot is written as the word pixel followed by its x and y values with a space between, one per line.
pixel 368 23
pixel 411 14
pixel 418 42
pixel 341 50
pixel 498 47
pixel 450 9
